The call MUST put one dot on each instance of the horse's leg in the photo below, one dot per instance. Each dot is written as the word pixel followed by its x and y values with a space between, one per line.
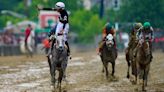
pixel 102 64
pixel 147 73
pixel 136 78
pixel 53 69
pixel 143 85
pixel 49 63
pixel 113 68
pixel 60 78
pixel 135 71
pixel 128 62
pixel 106 68
pixel 64 66
pixel 102 69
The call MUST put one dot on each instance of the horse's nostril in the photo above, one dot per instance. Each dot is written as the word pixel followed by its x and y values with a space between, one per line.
pixel 60 48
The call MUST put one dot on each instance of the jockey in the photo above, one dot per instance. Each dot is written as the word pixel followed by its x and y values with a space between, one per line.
pixel 108 29
pixel 27 33
pixel 135 29
pixel 148 32
pixel 63 24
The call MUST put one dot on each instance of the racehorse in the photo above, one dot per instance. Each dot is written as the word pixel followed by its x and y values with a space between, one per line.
pixel 58 60
pixel 108 54
pixel 130 59
pixel 143 59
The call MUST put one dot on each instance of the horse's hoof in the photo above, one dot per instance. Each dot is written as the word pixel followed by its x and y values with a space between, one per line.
pixel 64 79
pixel 52 87
pixel 143 89
pixel 133 82
pixel 112 75
pixel 107 77
pixel 102 71
pixel 128 76
pixel 70 58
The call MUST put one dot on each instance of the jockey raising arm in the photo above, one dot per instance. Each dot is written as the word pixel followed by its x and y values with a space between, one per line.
pixel 63 24
pixel 59 7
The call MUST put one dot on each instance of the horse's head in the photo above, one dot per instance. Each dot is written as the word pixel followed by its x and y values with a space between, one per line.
pixel 109 41
pixel 145 45
pixel 144 51
pixel 60 43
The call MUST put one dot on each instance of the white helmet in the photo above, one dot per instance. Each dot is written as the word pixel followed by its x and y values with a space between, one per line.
pixel 60 5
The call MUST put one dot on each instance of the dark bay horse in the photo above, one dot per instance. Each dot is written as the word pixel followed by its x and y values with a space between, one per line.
pixel 130 59
pixel 108 54
pixel 143 60
pixel 58 60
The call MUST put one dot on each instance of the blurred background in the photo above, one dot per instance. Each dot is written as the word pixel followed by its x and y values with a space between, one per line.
pixel 87 19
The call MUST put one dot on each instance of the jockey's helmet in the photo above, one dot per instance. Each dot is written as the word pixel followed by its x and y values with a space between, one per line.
pixel 108 27
pixel 137 25
pixel 59 5
pixel 146 25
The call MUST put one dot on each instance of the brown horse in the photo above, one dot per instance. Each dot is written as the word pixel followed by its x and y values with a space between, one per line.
pixel 129 52
pixel 108 54
pixel 143 59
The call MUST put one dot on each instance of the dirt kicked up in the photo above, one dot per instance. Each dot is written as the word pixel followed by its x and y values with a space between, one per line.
pixel 21 74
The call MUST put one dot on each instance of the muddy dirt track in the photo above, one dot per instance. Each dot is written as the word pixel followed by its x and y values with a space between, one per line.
pixel 21 74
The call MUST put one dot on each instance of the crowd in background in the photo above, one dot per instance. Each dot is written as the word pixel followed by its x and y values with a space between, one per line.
pixel 8 38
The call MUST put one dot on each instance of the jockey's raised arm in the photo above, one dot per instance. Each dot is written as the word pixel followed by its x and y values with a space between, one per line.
pixel 63 24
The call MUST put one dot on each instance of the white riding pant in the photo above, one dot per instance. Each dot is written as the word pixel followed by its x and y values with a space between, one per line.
pixel 59 28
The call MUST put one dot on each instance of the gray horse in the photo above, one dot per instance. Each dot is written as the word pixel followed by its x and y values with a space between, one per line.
pixel 58 60
pixel 108 54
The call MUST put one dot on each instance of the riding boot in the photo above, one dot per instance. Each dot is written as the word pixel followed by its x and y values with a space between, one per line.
pixel 68 50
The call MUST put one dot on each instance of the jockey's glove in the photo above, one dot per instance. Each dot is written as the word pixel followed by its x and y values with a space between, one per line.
pixel 52 37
